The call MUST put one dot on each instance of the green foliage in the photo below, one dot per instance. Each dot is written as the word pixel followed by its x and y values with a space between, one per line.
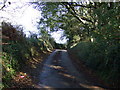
pixel 18 50
pixel 10 66
pixel 101 58
pixel 82 22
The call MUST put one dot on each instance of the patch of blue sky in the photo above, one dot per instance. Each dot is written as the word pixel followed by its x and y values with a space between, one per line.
pixel 21 13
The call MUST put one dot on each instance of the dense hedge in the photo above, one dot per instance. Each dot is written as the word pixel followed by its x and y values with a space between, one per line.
pixel 18 50
pixel 102 58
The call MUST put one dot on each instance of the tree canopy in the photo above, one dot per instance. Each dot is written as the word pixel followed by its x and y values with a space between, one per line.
pixel 95 25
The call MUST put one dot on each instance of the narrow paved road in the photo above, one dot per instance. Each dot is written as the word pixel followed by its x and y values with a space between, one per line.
pixel 59 72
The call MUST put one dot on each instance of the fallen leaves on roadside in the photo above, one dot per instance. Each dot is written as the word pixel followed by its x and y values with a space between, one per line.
pixel 22 80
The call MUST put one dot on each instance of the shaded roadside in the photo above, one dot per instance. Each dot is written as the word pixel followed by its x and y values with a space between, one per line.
pixel 87 72
pixel 60 72
pixel 28 77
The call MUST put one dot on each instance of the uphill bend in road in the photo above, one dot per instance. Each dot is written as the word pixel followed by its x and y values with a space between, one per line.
pixel 59 72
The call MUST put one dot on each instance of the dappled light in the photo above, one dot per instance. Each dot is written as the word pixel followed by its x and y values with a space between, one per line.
pixel 21 54
pixel 56 75
pixel 92 87
pixel 67 75
pixel 55 67
pixel 34 61
pixel 60 44
pixel 46 87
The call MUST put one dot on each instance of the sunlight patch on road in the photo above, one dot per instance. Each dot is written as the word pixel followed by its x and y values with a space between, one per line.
pixel 67 75
pixel 45 86
pixel 55 67
pixel 91 86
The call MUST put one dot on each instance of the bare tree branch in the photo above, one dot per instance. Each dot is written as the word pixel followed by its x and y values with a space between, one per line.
pixel 4 2
pixel 2 7
pixel 74 13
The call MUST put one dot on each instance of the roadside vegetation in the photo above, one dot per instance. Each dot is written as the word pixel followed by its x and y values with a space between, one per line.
pixel 93 34
pixel 20 51
pixel 92 30
pixel 103 60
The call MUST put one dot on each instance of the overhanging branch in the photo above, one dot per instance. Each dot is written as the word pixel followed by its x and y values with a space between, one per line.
pixel 74 13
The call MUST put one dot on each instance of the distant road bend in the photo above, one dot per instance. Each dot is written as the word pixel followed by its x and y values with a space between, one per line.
pixel 59 72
